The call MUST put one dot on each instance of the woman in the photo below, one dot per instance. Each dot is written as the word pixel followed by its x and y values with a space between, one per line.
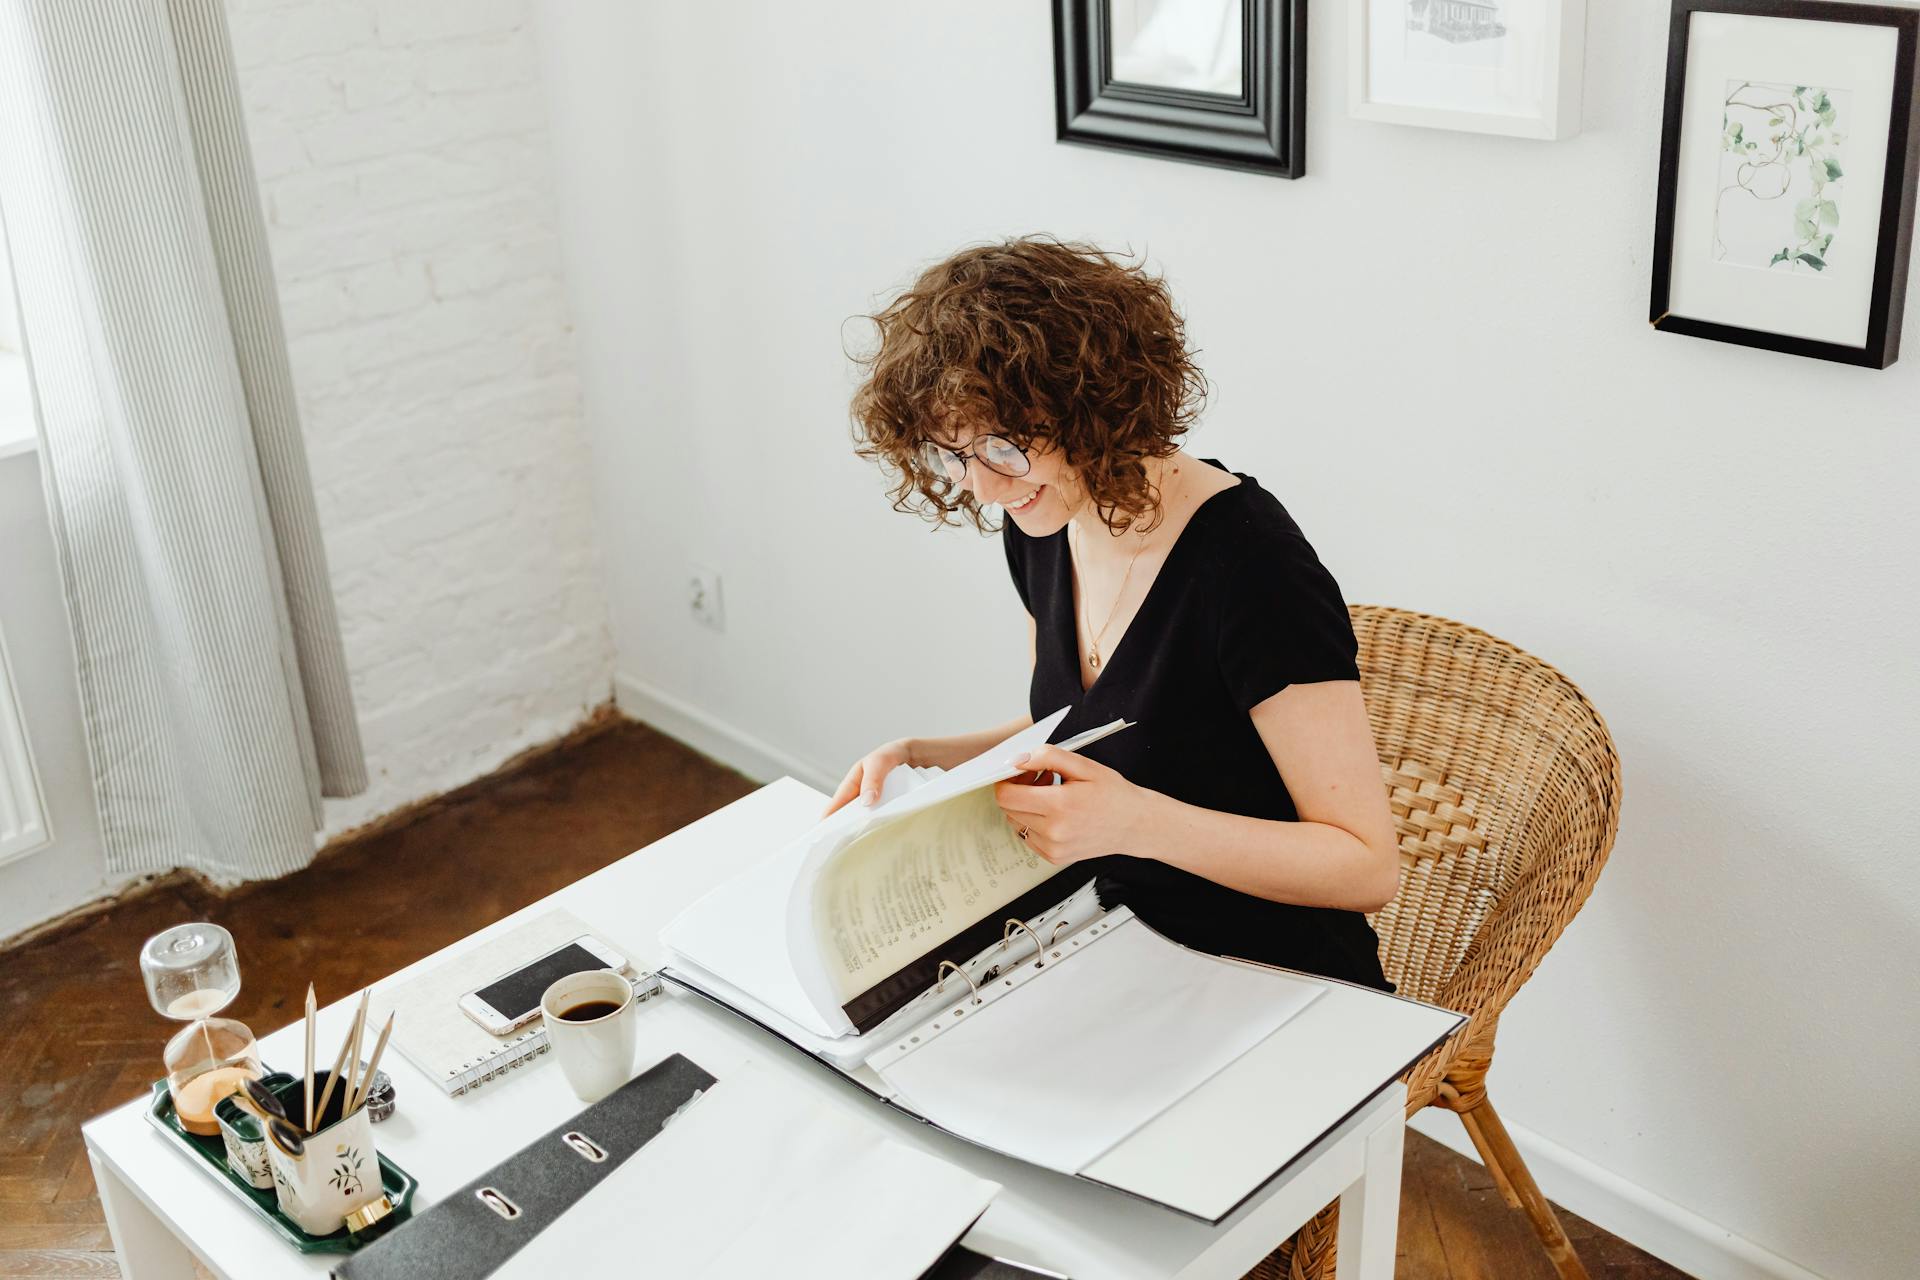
pixel 1243 813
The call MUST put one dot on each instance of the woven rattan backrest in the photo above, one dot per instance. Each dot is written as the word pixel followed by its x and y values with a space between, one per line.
pixel 1505 790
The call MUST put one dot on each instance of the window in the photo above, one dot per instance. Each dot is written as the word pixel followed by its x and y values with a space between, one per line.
pixel 23 813
pixel 17 430
pixel 9 314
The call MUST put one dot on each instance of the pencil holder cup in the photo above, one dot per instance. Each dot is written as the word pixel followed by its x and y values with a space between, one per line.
pixel 337 1172
pixel 245 1139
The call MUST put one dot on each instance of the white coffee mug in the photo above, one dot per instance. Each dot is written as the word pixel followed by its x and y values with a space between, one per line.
pixel 596 1053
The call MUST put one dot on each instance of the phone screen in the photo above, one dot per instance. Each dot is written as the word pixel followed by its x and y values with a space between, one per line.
pixel 520 991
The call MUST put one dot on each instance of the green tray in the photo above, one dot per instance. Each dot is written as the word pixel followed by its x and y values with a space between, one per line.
pixel 212 1152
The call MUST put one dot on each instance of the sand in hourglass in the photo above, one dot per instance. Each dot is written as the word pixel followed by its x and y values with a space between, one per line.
pixel 207 1060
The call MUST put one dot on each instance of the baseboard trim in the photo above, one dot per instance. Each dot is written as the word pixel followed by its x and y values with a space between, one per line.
pixel 712 736
pixel 1675 1235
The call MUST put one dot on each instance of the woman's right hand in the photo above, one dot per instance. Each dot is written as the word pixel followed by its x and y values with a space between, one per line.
pixel 869 773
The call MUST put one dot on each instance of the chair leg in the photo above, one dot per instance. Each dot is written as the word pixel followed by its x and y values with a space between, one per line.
pixel 1510 1172
pixel 1491 1158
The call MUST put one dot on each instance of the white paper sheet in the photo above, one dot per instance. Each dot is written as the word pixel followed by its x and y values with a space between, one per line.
pixel 884 900
pixel 738 932
pixel 773 932
pixel 742 930
pixel 758 1179
pixel 819 974
pixel 844 1052
pixel 1063 1068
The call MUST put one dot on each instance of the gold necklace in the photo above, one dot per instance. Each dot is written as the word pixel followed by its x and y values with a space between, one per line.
pixel 1073 545
pixel 1093 648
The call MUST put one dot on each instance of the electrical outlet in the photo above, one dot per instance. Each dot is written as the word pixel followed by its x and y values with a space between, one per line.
pixel 703 597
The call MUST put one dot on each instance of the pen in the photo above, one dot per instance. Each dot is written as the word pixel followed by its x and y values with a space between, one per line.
pixel 1092 736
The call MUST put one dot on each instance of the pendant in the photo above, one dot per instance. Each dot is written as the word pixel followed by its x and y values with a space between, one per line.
pixel 1093 657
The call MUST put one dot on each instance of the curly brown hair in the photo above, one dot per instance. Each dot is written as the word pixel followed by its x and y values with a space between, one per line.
pixel 1036 340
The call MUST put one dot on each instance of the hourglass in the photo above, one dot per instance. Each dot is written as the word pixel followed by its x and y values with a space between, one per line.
pixel 191 975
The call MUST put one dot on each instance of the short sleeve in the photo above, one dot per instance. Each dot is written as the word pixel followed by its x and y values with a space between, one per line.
pixel 1015 544
pixel 1282 620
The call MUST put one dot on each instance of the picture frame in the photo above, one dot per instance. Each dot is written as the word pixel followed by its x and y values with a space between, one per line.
pixel 1508 67
pixel 1260 126
pixel 1788 159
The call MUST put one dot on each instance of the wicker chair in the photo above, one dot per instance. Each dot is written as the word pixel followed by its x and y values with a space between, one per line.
pixel 1505 789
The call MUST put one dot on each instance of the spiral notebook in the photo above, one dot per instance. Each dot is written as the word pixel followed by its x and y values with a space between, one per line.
pixel 448 1047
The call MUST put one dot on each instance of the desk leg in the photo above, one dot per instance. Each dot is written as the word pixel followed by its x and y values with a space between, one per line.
pixel 147 1250
pixel 1370 1208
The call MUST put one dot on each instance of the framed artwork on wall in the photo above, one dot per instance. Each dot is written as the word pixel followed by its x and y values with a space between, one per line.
pixel 1486 66
pixel 1218 82
pixel 1788 159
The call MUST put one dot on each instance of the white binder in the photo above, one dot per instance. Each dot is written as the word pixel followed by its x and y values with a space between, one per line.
pixel 1004 1005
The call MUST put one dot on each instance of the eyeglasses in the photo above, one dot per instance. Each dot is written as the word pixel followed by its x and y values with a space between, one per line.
pixel 993 453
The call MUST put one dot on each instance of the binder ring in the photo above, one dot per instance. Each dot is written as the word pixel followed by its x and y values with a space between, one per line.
pixel 1006 936
pixel 584 1146
pixel 498 1203
pixel 942 984
pixel 1054 937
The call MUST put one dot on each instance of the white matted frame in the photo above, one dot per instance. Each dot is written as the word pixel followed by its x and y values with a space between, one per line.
pixel 1855 68
pixel 1535 94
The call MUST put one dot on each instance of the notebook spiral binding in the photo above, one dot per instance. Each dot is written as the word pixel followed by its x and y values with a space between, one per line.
pixel 521 1049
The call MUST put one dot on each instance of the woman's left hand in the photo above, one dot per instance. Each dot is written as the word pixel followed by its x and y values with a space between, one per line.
pixel 1093 812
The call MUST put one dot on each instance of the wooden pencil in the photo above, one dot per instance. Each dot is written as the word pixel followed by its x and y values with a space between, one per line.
pixel 353 1061
pixel 309 1068
pixel 333 1078
pixel 373 1063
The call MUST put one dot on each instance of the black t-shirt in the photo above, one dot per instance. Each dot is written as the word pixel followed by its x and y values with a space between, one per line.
pixel 1240 609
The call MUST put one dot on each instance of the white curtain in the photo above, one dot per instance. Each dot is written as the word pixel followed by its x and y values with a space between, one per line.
pixel 209 657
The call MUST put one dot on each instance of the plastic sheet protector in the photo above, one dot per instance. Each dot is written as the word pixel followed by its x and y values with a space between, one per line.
pixel 1060 1070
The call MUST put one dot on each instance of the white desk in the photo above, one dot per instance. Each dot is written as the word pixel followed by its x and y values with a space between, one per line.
pixel 163 1212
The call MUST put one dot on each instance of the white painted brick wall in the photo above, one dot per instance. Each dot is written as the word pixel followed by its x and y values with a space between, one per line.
pixel 403 160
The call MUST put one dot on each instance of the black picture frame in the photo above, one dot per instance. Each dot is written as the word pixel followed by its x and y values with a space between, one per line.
pixel 1264 130
pixel 1887 301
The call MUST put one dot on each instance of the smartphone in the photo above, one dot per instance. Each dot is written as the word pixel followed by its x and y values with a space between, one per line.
pixel 512 1000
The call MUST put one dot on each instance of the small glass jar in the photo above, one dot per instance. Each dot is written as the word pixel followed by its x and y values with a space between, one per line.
pixel 191 974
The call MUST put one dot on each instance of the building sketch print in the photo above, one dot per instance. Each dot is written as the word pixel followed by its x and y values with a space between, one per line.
pixel 1456 21
pixel 1460 33
pixel 1780 177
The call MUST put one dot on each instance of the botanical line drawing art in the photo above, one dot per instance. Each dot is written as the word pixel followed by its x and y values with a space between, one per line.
pixel 346 1175
pixel 254 1162
pixel 1781 176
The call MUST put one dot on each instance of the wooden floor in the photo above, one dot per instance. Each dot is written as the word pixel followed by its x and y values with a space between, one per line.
pixel 77 1036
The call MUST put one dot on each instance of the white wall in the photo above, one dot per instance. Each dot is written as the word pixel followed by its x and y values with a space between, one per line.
pixel 402 152
pixel 1434 348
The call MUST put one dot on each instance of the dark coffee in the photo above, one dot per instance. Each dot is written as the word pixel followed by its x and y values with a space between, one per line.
pixel 590 1010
